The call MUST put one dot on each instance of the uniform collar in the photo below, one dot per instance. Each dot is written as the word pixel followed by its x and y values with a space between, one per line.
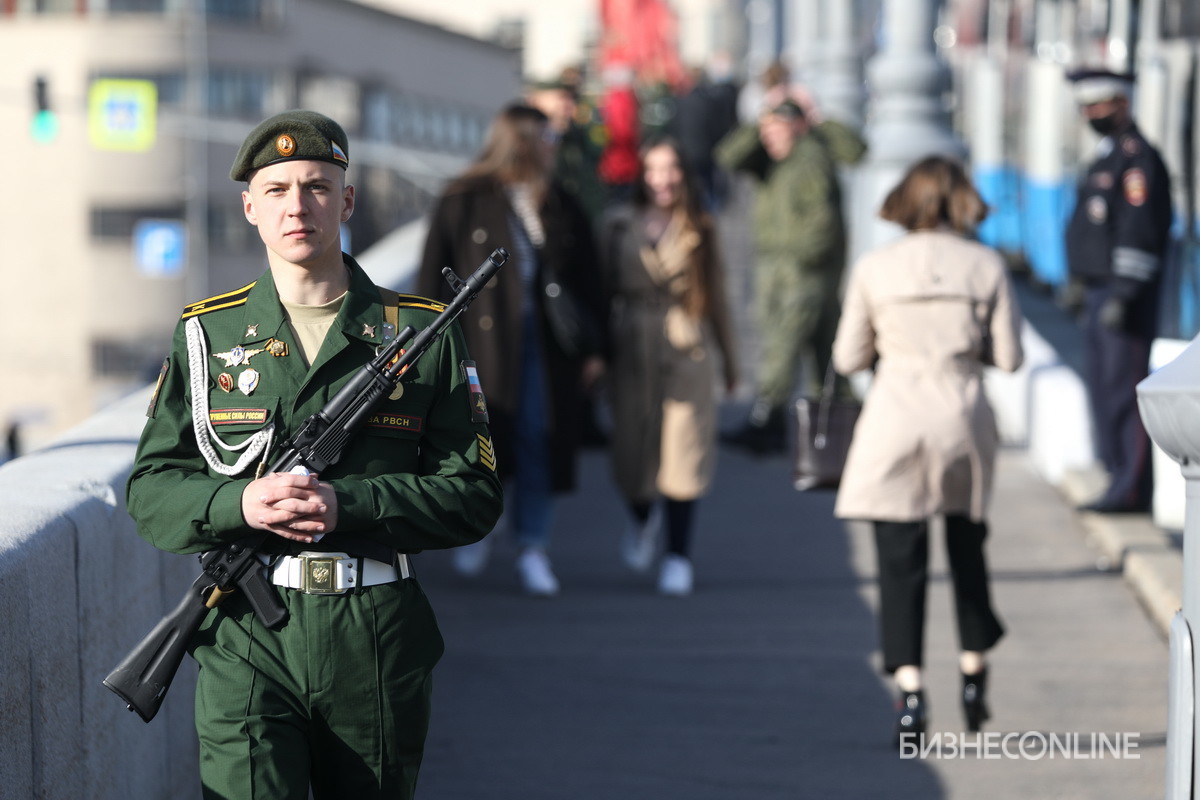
pixel 360 317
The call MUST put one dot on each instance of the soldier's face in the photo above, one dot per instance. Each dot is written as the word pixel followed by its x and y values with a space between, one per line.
pixel 298 208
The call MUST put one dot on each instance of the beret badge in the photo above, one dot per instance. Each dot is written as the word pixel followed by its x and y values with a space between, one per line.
pixel 285 145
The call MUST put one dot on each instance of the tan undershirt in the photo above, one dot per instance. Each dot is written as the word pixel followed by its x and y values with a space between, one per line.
pixel 309 325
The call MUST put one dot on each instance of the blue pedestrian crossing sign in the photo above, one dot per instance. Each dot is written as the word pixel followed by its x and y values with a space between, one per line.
pixel 122 114
pixel 160 247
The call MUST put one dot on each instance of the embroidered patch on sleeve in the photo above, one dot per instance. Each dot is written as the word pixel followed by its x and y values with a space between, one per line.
pixel 487 454
pixel 479 410
pixel 152 409
pixel 1135 187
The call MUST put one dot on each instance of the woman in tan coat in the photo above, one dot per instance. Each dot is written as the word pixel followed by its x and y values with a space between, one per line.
pixel 669 317
pixel 927 313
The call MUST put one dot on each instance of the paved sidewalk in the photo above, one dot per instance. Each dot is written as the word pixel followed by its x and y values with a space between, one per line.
pixel 764 685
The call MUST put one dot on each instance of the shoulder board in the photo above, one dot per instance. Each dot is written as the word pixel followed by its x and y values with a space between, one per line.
pixel 227 300
pixel 416 301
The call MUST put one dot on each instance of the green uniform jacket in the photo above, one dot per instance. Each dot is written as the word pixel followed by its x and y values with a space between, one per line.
pixel 420 475
pixel 798 202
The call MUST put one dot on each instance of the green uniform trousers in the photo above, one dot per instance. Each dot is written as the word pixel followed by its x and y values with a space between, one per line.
pixel 342 688
pixel 798 312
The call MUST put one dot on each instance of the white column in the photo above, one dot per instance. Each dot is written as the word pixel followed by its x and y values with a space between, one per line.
pixel 908 118
pixel 803 47
pixel 841 89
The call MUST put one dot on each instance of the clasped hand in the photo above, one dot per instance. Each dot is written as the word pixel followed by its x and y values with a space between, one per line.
pixel 294 507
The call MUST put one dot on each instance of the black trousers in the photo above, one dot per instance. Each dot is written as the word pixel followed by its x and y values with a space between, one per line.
pixel 903 558
pixel 1116 362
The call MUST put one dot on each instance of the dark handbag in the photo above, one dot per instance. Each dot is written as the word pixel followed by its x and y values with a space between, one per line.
pixel 824 427
pixel 570 324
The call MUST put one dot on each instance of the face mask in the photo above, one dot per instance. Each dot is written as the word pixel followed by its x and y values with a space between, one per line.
pixel 1104 125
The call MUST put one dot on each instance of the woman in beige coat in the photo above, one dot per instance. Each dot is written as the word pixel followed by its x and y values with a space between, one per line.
pixel 927 313
pixel 669 318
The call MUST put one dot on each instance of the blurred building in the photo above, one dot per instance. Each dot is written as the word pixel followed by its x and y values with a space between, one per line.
pixel 554 35
pixel 106 178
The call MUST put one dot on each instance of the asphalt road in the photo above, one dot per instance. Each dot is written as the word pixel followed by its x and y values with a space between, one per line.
pixel 764 684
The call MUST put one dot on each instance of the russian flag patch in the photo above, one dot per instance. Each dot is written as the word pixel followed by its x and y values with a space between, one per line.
pixel 479 411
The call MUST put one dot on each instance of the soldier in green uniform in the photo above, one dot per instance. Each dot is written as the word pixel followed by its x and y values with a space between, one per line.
pixel 800 243
pixel 338 696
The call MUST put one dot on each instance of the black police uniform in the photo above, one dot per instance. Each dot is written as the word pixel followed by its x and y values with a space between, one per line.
pixel 1116 241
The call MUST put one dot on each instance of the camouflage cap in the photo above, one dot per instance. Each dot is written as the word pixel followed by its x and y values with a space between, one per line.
pixel 291 136
pixel 788 109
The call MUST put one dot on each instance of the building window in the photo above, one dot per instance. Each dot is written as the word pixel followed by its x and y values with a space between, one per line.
pixel 171 85
pixel 117 223
pixel 241 94
pixel 127 359
pixel 137 6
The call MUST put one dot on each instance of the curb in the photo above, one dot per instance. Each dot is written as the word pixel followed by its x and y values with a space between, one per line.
pixel 1133 545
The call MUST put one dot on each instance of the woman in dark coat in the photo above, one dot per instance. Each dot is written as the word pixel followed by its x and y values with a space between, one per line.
pixel 533 371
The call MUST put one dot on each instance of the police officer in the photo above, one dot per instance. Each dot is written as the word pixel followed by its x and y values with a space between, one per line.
pixel 1116 241
pixel 338 696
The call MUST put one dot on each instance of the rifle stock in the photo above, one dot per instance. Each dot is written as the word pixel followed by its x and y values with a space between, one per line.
pixel 143 677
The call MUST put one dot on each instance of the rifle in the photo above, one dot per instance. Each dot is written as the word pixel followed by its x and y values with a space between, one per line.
pixel 143 677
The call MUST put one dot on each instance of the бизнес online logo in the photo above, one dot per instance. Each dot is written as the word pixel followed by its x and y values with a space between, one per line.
pixel 1028 746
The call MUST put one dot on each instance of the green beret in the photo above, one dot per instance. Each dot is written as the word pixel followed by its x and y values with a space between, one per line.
pixel 291 136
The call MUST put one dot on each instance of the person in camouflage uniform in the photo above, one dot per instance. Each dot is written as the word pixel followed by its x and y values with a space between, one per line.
pixel 800 243
pixel 337 697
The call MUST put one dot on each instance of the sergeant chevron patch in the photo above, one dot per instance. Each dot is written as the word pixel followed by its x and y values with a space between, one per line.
pixel 487 455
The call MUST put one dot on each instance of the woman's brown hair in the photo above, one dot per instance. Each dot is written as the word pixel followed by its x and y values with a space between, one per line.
pixel 512 152
pixel 935 192
pixel 695 297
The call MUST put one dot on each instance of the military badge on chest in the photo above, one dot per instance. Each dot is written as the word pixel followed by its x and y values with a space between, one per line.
pixel 248 379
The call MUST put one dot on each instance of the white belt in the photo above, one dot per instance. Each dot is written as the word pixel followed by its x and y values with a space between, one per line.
pixel 332 573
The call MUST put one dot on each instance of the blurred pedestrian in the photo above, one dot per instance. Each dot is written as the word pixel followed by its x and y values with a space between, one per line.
pixel 12 442
pixel 703 115
pixel 576 168
pixel 670 320
pixel 620 109
pixel 1116 242
pixel 800 242
pixel 927 313
pixel 535 331
pixel 577 157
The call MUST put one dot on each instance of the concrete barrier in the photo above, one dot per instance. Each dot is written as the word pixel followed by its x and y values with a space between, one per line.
pixel 78 589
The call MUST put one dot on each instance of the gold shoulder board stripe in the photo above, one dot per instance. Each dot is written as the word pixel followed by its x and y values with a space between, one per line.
pixel 415 301
pixel 227 300
pixel 487 455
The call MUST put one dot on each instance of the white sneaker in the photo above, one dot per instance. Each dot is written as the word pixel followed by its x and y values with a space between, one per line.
pixel 533 567
pixel 639 541
pixel 675 576
pixel 470 559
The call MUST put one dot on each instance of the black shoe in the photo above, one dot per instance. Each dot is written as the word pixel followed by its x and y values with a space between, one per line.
pixel 910 717
pixel 974 708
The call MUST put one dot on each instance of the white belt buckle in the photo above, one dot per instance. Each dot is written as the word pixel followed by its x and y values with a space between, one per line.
pixel 326 573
